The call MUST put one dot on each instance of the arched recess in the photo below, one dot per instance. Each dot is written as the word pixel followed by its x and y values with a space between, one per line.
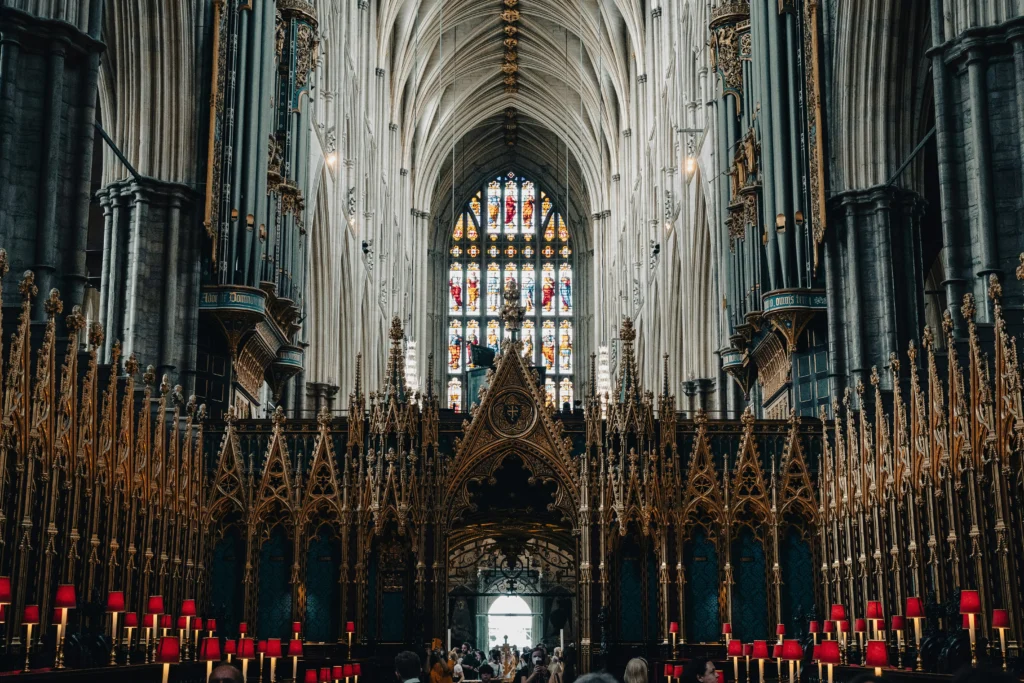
pixel 327 276
pixel 797 523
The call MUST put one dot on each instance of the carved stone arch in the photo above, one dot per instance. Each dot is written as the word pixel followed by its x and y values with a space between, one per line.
pixel 749 505
pixel 230 490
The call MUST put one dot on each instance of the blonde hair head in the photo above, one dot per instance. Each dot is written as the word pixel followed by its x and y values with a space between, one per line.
pixel 636 671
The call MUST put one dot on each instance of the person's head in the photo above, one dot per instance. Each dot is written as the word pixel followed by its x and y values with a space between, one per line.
pixel 225 673
pixel 596 678
pixel 407 665
pixel 465 648
pixel 636 671
pixel 538 656
pixel 700 670
pixel 558 652
pixel 486 673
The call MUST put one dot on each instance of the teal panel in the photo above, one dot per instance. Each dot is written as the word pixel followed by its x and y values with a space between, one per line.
pixel 274 606
pixel 631 596
pixel 652 596
pixel 701 559
pixel 226 592
pixel 750 593
pixel 371 591
pixel 392 621
pixel 322 591
pixel 797 576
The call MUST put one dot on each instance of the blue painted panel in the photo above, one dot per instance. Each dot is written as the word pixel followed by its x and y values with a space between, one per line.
pixel 392 622
pixel 750 593
pixel 797 565
pixel 322 590
pixel 274 605
pixel 701 561
pixel 226 591
pixel 631 622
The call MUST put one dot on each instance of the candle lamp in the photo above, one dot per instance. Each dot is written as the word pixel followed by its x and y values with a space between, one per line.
pixel 296 627
pixel 673 629
pixel 828 654
pixel 337 673
pixel 748 650
pixel 131 622
pixel 793 653
pixel 246 652
pixel 816 657
pixel 677 670
pixel 273 653
pixel 211 626
pixel 860 627
pixel 64 600
pixel 188 610
pixel 915 612
pixel 325 674
pixel 197 629
pixel 898 625
pixel 727 632
pixel 261 650
pixel 875 617
pixel 720 675
pixel 760 653
pixel 735 650
pixel 295 651
pixel 970 605
pixel 182 636
pixel 357 669
pixel 243 628
pixel 310 676
pixel 814 628
pixel 668 673
pixel 150 622
pixel 349 671
pixel 1001 623
pixel 230 648
pixel 168 652
pixel 877 655
pixel 837 614
pixel 166 624
pixel 780 631
pixel 829 627
pixel 209 652
pixel 30 618
pixel 154 606
pixel 115 605
pixel 777 656
pixel 350 628
pixel 843 628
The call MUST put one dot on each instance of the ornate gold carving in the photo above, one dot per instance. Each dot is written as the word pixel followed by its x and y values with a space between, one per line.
pixel 513 413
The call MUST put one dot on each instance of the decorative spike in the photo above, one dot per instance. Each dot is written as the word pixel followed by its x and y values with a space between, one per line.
pixel 430 375
pixel 664 376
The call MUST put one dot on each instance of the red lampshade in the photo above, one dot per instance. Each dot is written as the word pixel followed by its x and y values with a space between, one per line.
pixel 828 652
pixel 296 626
pixel 230 647
pixel 325 675
pixel 169 650
pixel 261 646
pixel 115 601
pixel 310 676
pixel 876 654
pixel 1000 618
pixel 349 670
pixel 760 649
pixel 197 624
pixel 357 669
pixel 748 649
pixel 816 653
pixel 246 648
pixel 915 608
pixel 780 630
pixel 243 627
pixel 814 627
pixel 57 614
pixel 776 651
pixel 721 676
pixel 211 624
pixel 155 604
pixel 677 671
pixel 898 622
pixel 151 620
pixel 673 627
pixel 337 672
pixel 30 615
pixel 5 590
pixel 830 627
pixel 273 647
pixel 188 608
pixel 65 598
pixel 844 626
pixel 735 648
pixel 838 612
pixel 182 622
pixel 792 651
pixel 131 620
pixel 860 625
pixel 727 628
pixel 350 627
pixel 209 651
pixel 970 602
pixel 668 669
pixel 3 613
pixel 874 610
pixel 294 648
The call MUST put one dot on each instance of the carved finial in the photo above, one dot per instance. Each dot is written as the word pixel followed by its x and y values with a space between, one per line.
pixel 53 306
pixel 912 351
pixel 27 286
pixel 75 321
pixel 396 329
pixel 430 375
pixel 149 376
pixel 894 361
pixel 131 366
pixel 190 407
pixel 278 417
pixel 947 323
pixel 323 417
pixel 664 375
pixel 178 395
pixel 794 419
pixel 701 418
pixel 748 417
pixel 4 266
pixel 968 310
pixel 874 376
pixel 231 417
pixel 927 337
pixel 512 313
pixel 995 289
pixel 626 332
pixel 165 385
pixel 1020 268
pixel 95 335
pixel 359 373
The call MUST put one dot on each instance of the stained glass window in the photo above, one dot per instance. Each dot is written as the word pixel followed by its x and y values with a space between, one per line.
pixel 511 230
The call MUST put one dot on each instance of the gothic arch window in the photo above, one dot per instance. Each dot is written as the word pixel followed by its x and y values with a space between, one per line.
pixel 510 230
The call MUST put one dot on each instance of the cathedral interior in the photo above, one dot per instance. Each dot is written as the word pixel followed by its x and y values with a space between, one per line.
pixel 633 328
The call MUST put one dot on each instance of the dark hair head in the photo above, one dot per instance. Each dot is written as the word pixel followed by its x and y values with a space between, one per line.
pixel 596 678
pixel 407 665
pixel 486 669
pixel 434 659
pixel 696 668
pixel 225 673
